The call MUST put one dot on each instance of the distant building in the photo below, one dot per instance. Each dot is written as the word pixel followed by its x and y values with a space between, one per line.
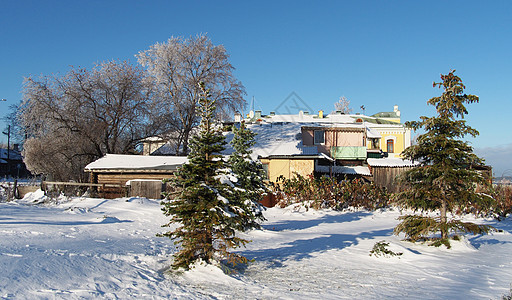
pixel 11 163
pixel 114 171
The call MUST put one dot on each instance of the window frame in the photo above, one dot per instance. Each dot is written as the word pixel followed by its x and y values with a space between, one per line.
pixel 315 141
pixel 392 143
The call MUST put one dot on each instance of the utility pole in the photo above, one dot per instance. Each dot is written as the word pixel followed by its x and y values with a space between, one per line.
pixel 8 133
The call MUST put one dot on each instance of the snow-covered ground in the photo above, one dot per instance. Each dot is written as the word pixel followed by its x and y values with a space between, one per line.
pixel 85 248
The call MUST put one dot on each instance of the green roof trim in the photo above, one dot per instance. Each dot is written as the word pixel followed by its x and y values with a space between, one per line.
pixel 375 120
pixel 386 114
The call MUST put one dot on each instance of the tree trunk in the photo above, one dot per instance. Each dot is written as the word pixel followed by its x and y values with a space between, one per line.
pixel 444 233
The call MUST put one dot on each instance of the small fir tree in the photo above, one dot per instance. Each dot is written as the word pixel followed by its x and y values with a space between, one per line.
pixel 250 177
pixel 207 219
pixel 445 179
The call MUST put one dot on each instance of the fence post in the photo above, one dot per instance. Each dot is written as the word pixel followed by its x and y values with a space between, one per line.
pixel 15 193
pixel 43 188
pixel 8 191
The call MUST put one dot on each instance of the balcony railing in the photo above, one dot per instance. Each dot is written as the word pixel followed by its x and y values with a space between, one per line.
pixel 348 152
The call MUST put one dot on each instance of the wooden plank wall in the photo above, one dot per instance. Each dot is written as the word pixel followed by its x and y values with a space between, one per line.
pixel 122 178
pixel 385 176
pixel 149 189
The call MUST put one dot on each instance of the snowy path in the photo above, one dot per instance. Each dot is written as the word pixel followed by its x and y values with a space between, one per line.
pixel 97 248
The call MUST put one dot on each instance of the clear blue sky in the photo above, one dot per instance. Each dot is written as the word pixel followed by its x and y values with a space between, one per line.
pixel 375 53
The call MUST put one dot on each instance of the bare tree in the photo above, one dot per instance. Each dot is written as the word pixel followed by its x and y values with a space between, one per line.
pixel 177 67
pixel 343 105
pixel 76 118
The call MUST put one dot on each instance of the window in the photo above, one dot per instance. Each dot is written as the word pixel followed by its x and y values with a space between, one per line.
pixel 375 143
pixel 390 146
pixel 265 168
pixel 319 137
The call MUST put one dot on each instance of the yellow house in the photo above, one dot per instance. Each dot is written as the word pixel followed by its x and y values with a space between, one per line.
pixel 394 138
pixel 288 165
pixel 334 144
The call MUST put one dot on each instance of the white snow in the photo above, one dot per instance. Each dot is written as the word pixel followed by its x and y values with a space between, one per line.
pixel 361 170
pixel 391 162
pixel 87 248
pixel 123 161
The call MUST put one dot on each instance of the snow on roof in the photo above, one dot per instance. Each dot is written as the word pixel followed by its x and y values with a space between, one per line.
pixel 122 161
pixel 303 118
pixel 354 170
pixel 391 162
pixel 273 139
pixel 327 118
pixel 372 134
pixel 15 155
pixel 285 138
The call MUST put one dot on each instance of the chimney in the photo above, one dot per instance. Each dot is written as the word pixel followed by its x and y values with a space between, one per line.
pixel 257 114
pixel 238 117
pixel 395 109
pixel 321 114
pixel 306 112
pixel 272 113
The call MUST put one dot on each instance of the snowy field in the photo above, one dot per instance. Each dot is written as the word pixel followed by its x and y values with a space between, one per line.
pixel 84 248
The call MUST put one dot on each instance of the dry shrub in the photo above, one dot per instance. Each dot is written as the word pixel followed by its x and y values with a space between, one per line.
pixel 325 192
pixel 502 195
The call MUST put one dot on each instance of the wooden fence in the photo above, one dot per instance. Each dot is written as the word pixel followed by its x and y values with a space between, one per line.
pixel 103 189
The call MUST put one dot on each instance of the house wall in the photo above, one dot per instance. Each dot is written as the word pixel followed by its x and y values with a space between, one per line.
pixel 398 137
pixel 307 137
pixel 151 146
pixel 287 167
pixel 303 167
pixel 334 137
pixel 343 138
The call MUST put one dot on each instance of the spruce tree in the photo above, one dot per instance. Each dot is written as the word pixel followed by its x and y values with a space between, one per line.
pixel 445 179
pixel 250 177
pixel 205 216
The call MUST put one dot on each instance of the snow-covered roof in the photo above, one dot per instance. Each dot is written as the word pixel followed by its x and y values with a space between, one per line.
pixel 303 118
pixel 391 162
pixel 372 134
pixel 134 162
pixel 273 139
pixel 15 155
pixel 352 170
pixel 336 118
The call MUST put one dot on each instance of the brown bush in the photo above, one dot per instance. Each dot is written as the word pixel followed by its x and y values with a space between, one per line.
pixel 325 192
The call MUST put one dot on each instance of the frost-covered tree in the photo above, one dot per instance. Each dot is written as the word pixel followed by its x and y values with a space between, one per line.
pixel 343 105
pixel 75 118
pixel 204 209
pixel 178 66
pixel 250 176
pixel 445 179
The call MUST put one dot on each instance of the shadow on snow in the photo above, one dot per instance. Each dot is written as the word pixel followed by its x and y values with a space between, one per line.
pixel 304 224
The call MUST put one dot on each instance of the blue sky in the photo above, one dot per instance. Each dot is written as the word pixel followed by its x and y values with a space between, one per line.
pixel 375 53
